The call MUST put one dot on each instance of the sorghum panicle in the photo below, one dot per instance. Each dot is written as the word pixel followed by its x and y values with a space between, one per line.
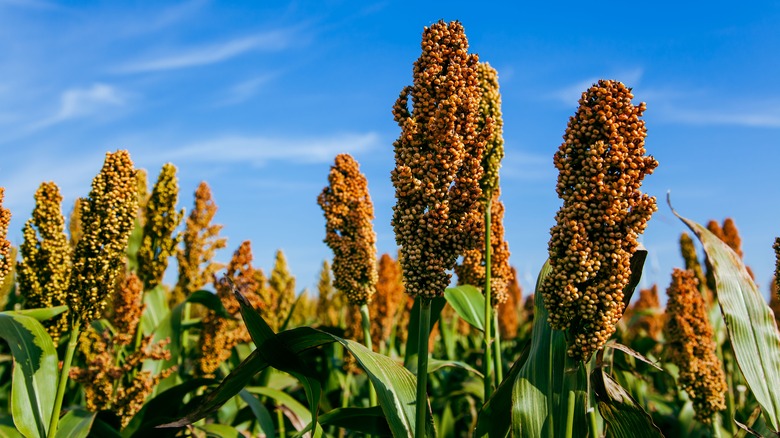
pixel 690 345
pixel 438 160
pixel 388 298
pixel 5 245
pixel 107 217
pixel 44 272
pixel 200 242
pixel 348 211
pixel 691 258
pixel 508 313
pixel 776 247
pixel 127 308
pixel 330 302
pixel 159 241
pixel 280 293
pixel 111 379
pixel 74 223
pixel 472 269
pixel 490 119
pixel 649 318
pixel 601 165
pixel 220 335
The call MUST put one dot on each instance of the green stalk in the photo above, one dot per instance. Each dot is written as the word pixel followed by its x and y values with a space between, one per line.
pixel 499 367
pixel 572 399
pixel 422 367
pixel 63 381
pixel 280 422
pixel 488 361
pixel 367 338
pixel 593 423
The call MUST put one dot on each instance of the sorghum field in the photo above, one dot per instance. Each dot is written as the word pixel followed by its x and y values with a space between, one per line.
pixel 98 343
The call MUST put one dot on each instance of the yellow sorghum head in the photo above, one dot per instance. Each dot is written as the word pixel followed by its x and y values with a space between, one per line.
pixel 690 345
pixel 329 301
pixel 472 269
pixel 8 283
pixel 508 313
pixel 74 223
pixel 691 258
pixel 159 241
pixel 44 272
pixel 142 191
pixel 127 308
pixel 601 165
pixel 389 296
pixel 200 242
pixel 490 118
pixel 348 231
pixel 107 217
pixel 5 246
pixel 281 292
pixel 438 160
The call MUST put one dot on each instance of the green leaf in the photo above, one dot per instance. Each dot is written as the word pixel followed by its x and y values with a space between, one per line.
pixel 369 421
pixel 260 412
pixel 221 431
pixel 542 387
pixel 396 389
pixel 633 353
pixel 35 372
pixel 156 308
pixel 624 417
pixel 495 417
pixel 469 303
pixel 77 423
pixel 749 321
pixel 164 407
pixel 300 414
pixel 43 314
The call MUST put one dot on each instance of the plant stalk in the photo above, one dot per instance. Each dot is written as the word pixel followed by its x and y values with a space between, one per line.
pixel 366 319
pixel 499 365
pixel 488 361
pixel 572 401
pixel 73 342
pixel 593 423
pixel 422 367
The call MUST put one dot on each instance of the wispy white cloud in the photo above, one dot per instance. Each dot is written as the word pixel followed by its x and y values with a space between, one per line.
pixel 757 114
pixel 570 94
pixel 243 91
pixel 260 150
pixel 211 54
pixel 82 102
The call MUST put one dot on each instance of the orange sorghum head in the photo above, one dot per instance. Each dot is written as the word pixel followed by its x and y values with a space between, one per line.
pixel 107 218
pixel 200 242
pixel 601 166
pixel 508 313
pixel 389 296
pixel 438 161
pixel 127 308
pixel 690 344
pixel 348 230
pixel 44 272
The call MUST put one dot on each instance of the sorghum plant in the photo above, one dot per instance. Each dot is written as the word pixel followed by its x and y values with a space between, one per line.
pixel 5 246
pixel 159 241
pixel 438 159
pixel 200 240
pixel 44 272
pixel 691 347
pixel 387 300
pixel 601 166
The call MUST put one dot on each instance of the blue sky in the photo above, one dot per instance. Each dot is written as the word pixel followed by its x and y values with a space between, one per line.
pixel 257 98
